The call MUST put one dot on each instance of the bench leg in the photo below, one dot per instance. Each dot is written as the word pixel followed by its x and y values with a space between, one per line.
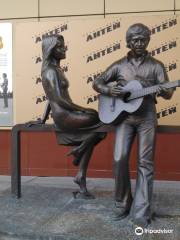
pixel 16 163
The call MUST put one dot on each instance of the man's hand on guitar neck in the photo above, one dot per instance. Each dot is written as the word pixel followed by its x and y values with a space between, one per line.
pixel 165 92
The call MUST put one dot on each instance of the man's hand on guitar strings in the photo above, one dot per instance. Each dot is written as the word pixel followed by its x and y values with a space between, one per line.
pixel 117 91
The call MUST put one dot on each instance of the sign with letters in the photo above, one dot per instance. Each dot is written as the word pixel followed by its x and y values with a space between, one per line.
pixel 92 45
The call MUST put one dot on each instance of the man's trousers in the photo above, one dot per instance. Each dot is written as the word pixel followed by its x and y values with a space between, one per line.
pixel 145 129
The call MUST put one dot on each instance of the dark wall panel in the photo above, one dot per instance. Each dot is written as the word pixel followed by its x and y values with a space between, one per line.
pixel 42 156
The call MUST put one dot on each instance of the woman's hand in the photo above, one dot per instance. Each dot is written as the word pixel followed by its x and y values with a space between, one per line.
pixel 87 111
pixel 39 121
pixel 91 110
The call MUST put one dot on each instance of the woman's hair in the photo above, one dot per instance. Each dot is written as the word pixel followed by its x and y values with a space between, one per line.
pixel 48 43
pixel 137 29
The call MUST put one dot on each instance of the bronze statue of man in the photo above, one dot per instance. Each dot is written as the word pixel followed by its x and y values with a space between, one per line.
pixel 136 65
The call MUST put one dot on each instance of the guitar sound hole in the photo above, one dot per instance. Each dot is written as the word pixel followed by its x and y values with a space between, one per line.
pixel 126 96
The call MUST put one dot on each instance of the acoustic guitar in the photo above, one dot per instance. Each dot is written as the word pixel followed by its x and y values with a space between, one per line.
pixel 112 108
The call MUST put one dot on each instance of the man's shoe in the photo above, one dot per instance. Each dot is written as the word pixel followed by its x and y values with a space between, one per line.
pixel 141 222
pixel 120 213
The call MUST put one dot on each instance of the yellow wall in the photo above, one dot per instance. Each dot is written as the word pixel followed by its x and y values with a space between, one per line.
pixel 28 60
pixel 19 9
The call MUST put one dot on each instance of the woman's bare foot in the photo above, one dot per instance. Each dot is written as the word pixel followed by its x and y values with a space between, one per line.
pixel 83 193
pixel 80 195
pixel 81 181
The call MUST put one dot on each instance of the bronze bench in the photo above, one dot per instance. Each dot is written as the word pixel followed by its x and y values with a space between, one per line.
pixel 16 147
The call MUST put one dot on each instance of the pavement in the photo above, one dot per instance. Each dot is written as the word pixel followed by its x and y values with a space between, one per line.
pixel 48 211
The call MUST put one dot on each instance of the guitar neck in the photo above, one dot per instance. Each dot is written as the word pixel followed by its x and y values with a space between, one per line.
pixel 153 89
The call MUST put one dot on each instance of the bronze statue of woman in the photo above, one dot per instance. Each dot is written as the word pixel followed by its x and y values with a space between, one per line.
pixel 73 122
